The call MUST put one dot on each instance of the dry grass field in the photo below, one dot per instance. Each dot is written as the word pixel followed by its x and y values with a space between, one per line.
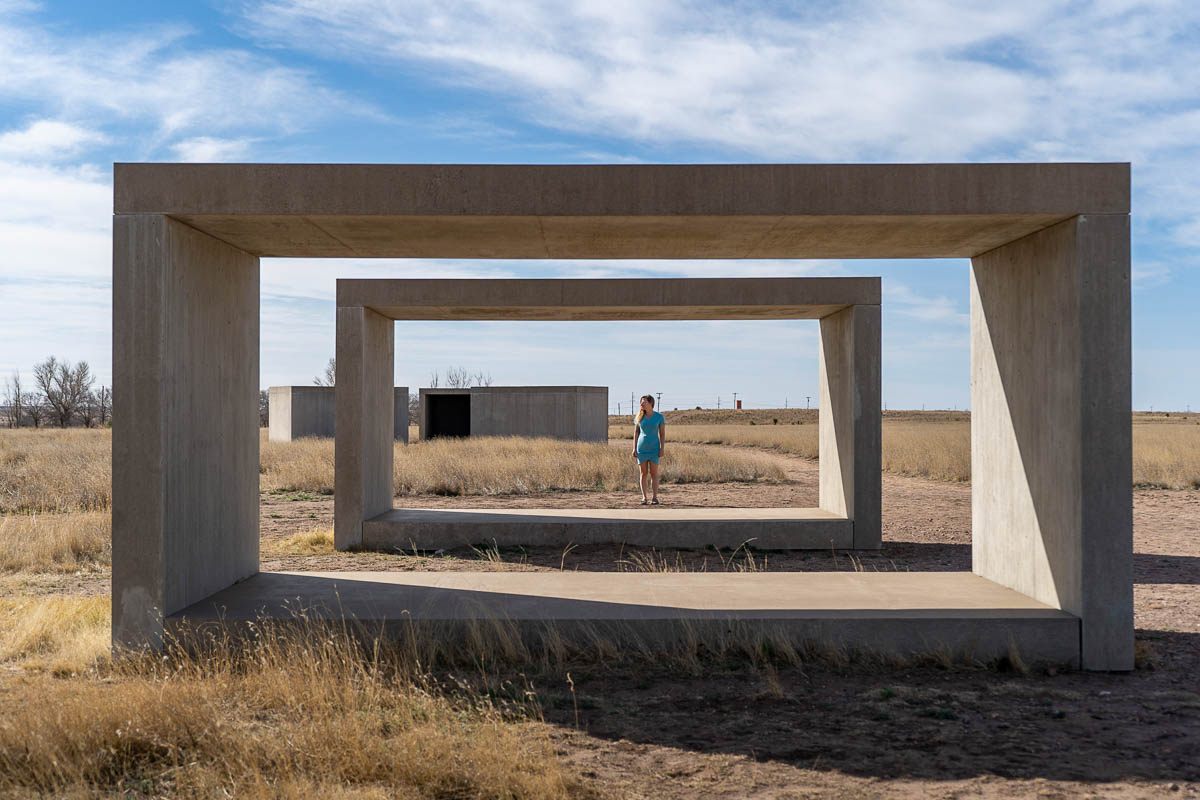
pixel 322 715
pixel 1166 450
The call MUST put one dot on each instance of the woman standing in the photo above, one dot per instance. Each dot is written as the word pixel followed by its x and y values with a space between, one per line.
pixel 650 435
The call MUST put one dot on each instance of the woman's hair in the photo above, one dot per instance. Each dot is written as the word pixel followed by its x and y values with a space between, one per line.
pixel 641 411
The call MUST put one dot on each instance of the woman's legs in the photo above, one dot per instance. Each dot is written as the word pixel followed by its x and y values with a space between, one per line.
pixel 653 479
pixel 642 479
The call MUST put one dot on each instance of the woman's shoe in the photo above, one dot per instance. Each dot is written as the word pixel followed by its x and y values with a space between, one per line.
pixel 654 502
pixel 644 501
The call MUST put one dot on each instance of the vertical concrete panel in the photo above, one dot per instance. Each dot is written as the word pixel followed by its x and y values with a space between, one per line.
pixel 868 421
pixel 1050 438
pixel 185 449
pixel 312 411
pixel 400 426
pixel 849 420
pixel 835 413
pixel 365 425
pixel 279 415
pixel 591 414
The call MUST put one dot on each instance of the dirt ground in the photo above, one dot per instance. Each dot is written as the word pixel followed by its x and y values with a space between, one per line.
pixel 736 731
pixel 858 731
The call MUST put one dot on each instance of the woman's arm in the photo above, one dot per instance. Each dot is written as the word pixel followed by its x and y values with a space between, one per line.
pixel 636 431
pixel 662 440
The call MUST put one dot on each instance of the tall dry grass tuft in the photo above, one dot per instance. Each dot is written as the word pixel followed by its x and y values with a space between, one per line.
pixel 292 715
pixel 55 470
pixel 299 465
pixel 55 542
pixel 62 633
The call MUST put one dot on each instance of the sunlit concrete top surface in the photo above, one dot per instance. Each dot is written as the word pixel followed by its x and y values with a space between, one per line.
pixel 621 211
pixel 608 298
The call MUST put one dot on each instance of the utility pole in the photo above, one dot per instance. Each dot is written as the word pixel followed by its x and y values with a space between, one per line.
pixel 631 402
pixel 718 402
pixel 807 398
pixel 659 402
pixel 735 401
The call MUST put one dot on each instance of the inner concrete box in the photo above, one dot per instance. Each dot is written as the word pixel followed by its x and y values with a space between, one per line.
pixel 849 375
pixel 571 413
pixel 298 411
pixel 1051 452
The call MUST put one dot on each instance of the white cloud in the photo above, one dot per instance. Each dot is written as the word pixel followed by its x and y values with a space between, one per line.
pixel 151 77
pixel 211 149
pixel 901 299
pixel 47 139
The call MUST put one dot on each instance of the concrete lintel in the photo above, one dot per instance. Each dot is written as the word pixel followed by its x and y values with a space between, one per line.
pixel 604 298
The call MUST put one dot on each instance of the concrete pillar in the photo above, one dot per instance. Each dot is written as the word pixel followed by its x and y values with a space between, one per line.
pixel 185 444
pixel 365 421
pixel 1051 449
pixel 849 419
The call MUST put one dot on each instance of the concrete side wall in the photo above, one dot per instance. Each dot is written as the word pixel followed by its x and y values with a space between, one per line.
pixel 298 411
pixel 538 411
pixel 850 421
pixel 185 451
pixel 1051 448
pixel 366 420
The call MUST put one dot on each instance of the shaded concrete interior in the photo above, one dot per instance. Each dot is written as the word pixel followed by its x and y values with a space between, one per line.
pixel 445 414
pixel 187 238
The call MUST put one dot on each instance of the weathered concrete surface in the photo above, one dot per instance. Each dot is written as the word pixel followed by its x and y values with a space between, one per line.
pixel 849 416
pixel 608 298
pixel 621 211
pixel 879 611
pixel 1051 451
pixel 574 413
pixel 649 526
pixel 297 411
pixel 363 467
pixel 185 446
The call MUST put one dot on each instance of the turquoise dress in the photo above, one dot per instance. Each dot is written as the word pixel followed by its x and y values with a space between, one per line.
pixel 648 444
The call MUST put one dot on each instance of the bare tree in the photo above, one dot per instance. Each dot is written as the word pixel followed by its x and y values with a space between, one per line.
pixel 462 378
pixel 414 408
pixel 35 408
pixel 264 408
pixel 327 378
pixel 64 387
pixel 434 380
pixel 14 399
pixel 104 404
pixel 86 411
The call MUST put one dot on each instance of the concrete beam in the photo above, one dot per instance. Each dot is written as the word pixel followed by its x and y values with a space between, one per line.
pixel 608 299
pixel 185 445
pixel 363 456
pixel 849 418
pixel 1051 451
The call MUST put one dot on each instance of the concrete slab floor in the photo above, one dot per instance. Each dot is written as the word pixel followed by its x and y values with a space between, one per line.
pixel 643 526
pixel 897 611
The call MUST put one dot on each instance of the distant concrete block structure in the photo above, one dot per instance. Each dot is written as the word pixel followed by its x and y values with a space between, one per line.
pixel 573 413
pixel 297 411
pixel 848 310
pixel 1050 373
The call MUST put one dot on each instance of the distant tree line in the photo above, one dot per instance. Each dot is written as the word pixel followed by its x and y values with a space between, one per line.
pixel 61 393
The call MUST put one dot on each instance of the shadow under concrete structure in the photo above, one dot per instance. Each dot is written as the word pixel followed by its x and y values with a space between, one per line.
pixel 1050 349
pixel 849 373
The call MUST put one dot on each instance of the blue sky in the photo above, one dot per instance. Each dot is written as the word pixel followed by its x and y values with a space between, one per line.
pixel 84 84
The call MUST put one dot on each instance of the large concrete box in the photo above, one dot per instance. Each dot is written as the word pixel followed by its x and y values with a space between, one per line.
pixel 578 413
pixel 308 411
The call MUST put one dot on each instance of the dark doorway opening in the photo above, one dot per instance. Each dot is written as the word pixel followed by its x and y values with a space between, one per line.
pixel 449 415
